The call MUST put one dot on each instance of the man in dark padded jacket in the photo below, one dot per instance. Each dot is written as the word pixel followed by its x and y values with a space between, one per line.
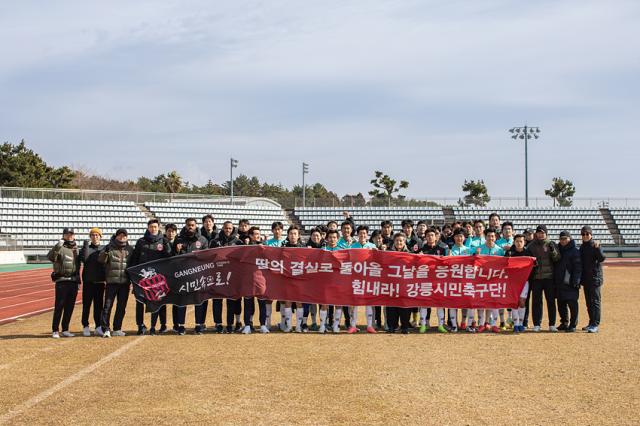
pixel 151 246
pixel 592 257
pixel 93 281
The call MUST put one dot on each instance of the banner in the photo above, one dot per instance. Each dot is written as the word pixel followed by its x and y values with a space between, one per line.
pixel 353 277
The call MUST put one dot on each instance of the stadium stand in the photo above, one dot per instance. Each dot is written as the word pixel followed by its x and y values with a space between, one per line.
pixel 557 219
pixel 628 221
pixel 311 217
pixel 37 223
pixel 258 215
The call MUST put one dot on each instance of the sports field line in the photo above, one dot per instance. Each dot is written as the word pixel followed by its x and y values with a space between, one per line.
pixel 26 294
pixel 35 400
pixel 37 353
pixel 42 284
pixel 25 303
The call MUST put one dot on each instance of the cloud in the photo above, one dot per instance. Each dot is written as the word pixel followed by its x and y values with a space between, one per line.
pixel 422 90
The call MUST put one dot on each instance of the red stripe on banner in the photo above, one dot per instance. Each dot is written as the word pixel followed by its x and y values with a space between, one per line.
pixel 354 277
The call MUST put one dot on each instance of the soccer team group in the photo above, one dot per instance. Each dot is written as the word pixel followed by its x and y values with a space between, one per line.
pixel 560 271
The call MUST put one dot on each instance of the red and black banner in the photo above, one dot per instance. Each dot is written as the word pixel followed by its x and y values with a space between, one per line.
pixel 354 277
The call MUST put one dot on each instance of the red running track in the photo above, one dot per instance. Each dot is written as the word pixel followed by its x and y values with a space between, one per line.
pixel 26 293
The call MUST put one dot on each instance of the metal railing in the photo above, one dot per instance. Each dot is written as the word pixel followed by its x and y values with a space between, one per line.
pixel 9 243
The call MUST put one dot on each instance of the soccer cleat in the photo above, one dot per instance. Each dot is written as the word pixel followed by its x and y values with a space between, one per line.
pixel 322 329
pixel 198 329
pixel 163 328
pixel 298 328
pixel 536 328
pixel 152 331
pixel 371 330
pixel 246 329
pixel 264 329
pixel 422 329
pixel 106 334
pixel 336 329
pixel 503 327
pixel 181 330
pixel 482 329
pixel 586 328
pixel 453 329
pixel 219 329
pixel 516 329
pixel 314 327
pixel 563 327
pixel 119 333
pixel 237 328
pixel 463 326
pixel 570 330
pixel 471 329
pixel 441 329
pixel 86 332
pixel 67 333
pixel 495 329
pixel 99 331
pixel 404 331
pixel 352 330
pixel 553 329
pixel 592 329
pixel 55 335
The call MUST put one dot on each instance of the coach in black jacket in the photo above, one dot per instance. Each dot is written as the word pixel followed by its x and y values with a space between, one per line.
pixel 566 277
pixel 93 281
pixel 189 241
pixel 227 237
pixel 152 246
pixel 592 279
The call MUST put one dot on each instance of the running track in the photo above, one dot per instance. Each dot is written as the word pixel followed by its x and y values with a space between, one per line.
pixel 26 293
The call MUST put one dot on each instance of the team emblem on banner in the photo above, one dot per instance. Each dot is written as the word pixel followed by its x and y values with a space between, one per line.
pixel 153 285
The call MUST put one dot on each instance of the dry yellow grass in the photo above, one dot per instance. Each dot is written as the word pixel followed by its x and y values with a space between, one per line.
pixel 417 379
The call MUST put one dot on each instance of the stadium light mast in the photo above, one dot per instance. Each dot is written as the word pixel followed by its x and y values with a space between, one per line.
pixel 234 164
pixel 526 133
pixel 305 170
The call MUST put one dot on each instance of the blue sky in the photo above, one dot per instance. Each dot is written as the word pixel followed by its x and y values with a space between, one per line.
pixel 423 90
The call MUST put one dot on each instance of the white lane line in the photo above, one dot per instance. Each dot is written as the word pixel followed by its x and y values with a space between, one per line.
pixel 42 285
pixel 26 314
pixel 26 294
pixel 35 400
pixel 26 303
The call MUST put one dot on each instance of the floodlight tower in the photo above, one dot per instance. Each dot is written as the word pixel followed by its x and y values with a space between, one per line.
pixel 526 133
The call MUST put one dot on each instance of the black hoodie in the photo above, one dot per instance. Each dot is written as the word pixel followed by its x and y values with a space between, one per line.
pixel 150 247
pixel 208 235
pixel 190 243
pixel 222 240
pixel 92 271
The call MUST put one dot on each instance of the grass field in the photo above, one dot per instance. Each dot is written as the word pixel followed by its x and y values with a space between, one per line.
pixel 323 379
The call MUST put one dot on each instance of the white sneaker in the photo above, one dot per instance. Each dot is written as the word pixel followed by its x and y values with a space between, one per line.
pixel 99 331
pixel 246 330
pixel 536 328
pixel 86 332
pixel 298 328
pixel 336 329
pixel 119 333
pixel 322 329
pixel 264 329
pixel 553 329
pixel 55 335
pixel 67 334
pixel 106 334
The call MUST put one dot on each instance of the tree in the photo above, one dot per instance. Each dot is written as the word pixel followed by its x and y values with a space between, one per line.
pixel 385 187
pixel 173 182
pixel 477 194
pixel 354 200
pixel 20 166
pixel 561 191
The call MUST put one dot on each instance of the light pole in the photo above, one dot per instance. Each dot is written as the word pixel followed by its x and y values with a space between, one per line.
pixel 305 170
pixel 526 133
pixel 234 163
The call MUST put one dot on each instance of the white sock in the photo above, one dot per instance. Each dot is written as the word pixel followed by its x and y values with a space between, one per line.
pixel 423 316
pixel 369 310
pixel 323 316
pixel 337 316
pixel 268 319
pixel 521 312
pixel 353 313
pixel 299 315
pixel 501 311
pixel 493 315
pixel 510 314
pixel 480 317
pixel 440 316
pixel 453 317
pixel 287 317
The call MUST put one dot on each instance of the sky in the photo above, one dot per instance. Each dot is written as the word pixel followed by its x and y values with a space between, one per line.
pixel 422 90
